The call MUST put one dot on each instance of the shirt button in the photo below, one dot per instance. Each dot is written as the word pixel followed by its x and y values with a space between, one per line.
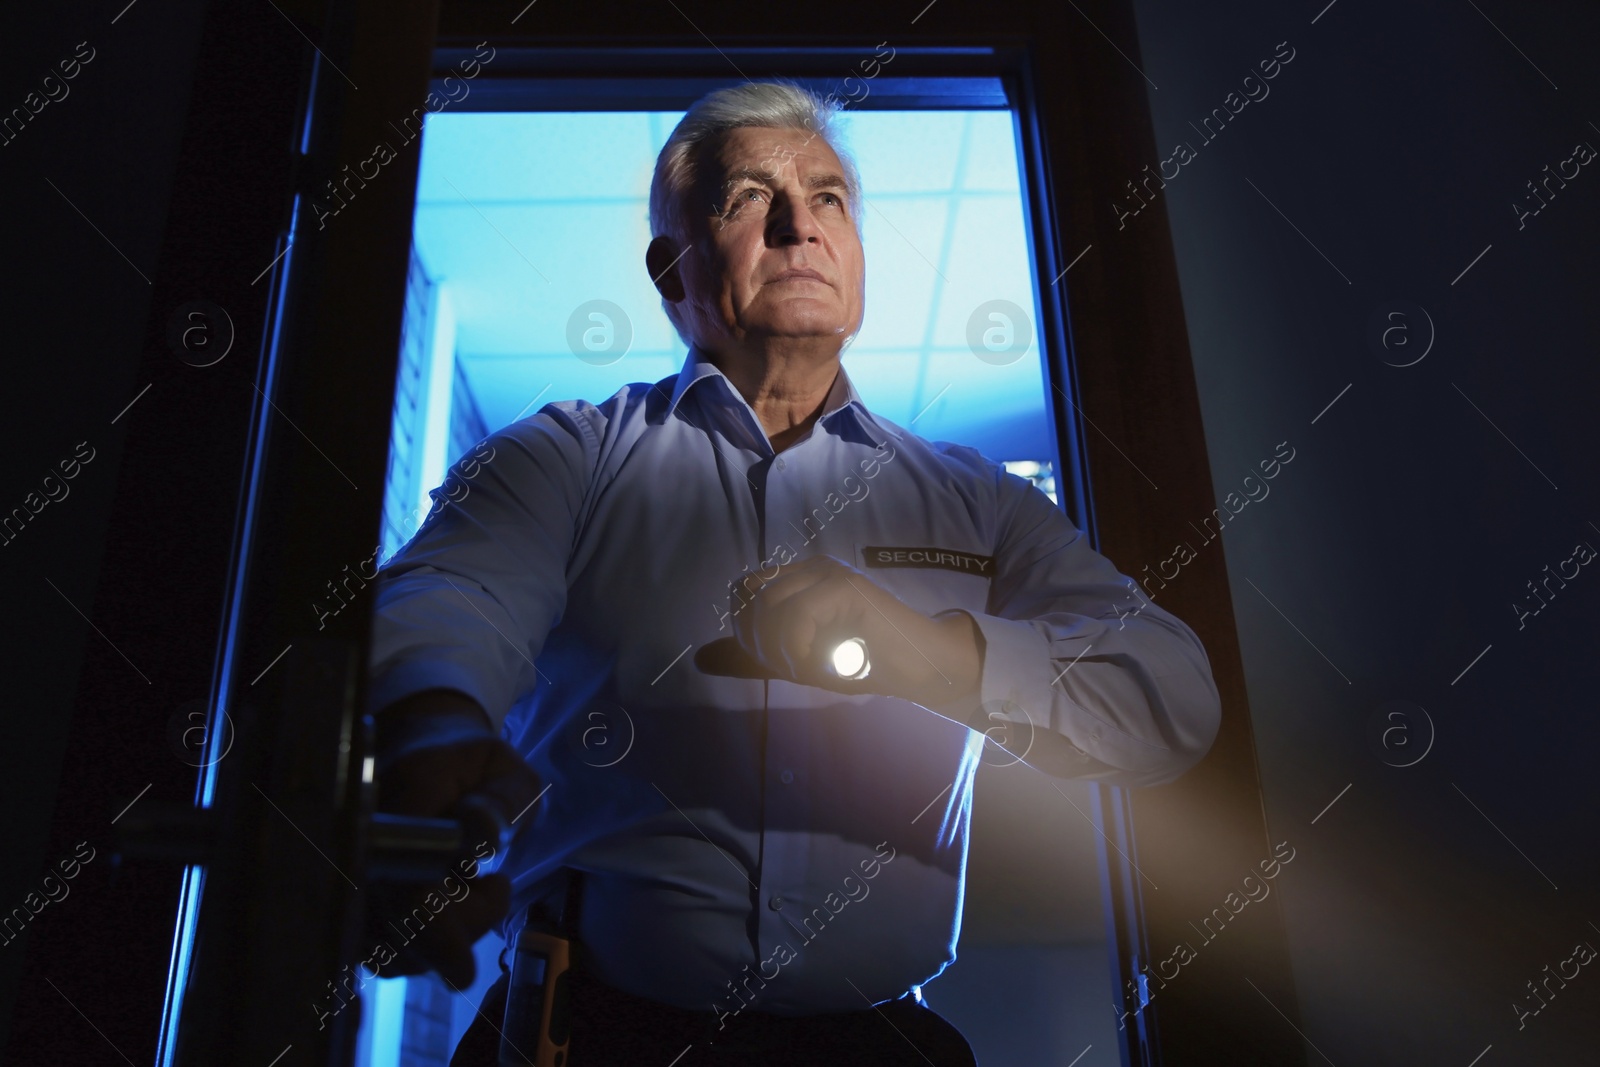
pixel 779 464
pixel 787 777
pixel 775 903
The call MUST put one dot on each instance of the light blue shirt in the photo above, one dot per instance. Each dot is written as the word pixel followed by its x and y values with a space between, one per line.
pixel 763 844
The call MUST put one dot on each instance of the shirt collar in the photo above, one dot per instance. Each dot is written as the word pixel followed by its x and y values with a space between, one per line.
pixel 842 397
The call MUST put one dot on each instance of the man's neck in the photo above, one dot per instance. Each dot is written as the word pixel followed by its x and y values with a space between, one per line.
pixel 785 385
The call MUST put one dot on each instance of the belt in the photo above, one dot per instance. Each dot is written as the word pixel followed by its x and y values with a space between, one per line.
pixel 596 1003
pixel 611 1027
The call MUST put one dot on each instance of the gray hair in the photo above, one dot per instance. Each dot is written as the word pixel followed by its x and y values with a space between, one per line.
pixel 778 104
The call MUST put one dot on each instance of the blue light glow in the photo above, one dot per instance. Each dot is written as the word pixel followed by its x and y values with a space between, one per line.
pixel 523 217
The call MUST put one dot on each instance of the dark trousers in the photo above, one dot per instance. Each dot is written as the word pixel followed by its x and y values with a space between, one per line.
pixel 611 1028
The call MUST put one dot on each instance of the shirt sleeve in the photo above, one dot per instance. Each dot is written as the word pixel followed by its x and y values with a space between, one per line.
pixel 468 602
pixel 1081 671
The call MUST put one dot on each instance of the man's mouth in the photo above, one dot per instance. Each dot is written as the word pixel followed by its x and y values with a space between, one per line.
pixel 800 274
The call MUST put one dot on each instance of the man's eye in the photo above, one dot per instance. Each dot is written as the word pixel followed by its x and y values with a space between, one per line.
pixel 740 199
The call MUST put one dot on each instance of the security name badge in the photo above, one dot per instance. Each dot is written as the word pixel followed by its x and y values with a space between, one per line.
pixel 947 559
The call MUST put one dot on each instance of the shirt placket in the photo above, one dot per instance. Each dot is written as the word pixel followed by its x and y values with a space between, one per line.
pixel 786 856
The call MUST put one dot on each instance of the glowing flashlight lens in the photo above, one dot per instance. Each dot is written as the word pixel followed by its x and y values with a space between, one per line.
pixel 850 659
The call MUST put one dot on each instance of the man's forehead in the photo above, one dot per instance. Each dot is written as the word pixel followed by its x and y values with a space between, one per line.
pixel 770 151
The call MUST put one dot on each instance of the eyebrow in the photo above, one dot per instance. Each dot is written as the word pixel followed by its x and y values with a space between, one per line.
pixel 816 181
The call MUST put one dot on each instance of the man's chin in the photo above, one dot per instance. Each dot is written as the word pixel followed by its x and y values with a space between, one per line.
pixel 794 326
pixel 832 339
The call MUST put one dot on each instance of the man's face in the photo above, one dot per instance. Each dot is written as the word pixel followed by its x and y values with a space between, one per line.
pixel 779 255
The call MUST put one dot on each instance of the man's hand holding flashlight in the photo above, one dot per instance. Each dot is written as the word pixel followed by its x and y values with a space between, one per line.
pixel 821 622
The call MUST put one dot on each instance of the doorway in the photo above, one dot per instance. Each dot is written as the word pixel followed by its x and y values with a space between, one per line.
pixel 526 284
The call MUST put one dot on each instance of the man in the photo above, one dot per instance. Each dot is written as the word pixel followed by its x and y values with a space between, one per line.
pixel 771 849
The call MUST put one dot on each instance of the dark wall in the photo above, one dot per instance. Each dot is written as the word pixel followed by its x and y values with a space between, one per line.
pixel 1387 554
pixel 99 157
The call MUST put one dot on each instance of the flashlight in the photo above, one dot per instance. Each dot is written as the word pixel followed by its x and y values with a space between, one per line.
pixel 849 659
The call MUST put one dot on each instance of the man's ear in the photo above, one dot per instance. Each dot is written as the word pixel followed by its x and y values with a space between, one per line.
pixel 661 259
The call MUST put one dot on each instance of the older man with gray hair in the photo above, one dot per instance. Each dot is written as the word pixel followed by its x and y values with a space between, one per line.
pixel 757 847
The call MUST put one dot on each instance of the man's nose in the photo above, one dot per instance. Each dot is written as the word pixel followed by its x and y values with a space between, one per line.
pixel 793 222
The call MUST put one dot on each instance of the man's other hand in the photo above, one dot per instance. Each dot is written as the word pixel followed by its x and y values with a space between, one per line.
pixel 438 757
